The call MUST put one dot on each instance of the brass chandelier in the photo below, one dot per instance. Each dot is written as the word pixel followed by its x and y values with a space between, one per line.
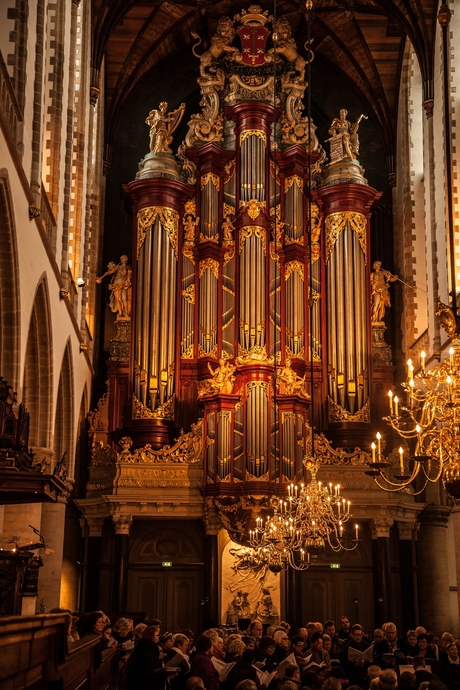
pixel 312 517
pixel 429 420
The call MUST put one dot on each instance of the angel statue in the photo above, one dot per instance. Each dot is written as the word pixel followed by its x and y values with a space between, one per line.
pixel 223 378
pixel 162 126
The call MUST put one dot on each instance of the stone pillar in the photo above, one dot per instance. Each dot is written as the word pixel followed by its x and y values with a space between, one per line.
pixel 433 569
pixel 120 590
pixel 211 599
pixel 52 529
pixel 381 565
pixel 90 567
pixel 408 573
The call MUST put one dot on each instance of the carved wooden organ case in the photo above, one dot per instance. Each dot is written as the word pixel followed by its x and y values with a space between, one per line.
pixel 225 238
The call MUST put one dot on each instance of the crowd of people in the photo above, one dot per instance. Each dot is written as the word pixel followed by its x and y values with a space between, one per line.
pixel 318 657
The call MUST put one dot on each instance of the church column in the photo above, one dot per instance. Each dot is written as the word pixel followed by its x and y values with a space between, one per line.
pixel 408 573
pixel 120 590
pixel 90 569
pixel 52 529
pixel 382 574
pixel 211 611
pixel 432 557
pixel 456 525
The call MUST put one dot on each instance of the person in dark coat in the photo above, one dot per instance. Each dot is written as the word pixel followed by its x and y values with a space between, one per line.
pixel 265 652
pixel 179 649
pixel 243 670
pixel 202 666
pixel 145 671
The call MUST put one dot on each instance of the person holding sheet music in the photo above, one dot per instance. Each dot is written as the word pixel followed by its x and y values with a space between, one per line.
pixel 357 657
pixel 202 665
pixel 389 652
pixel 423 648
pixel 177 658
pixel 318 659
pixel 282 644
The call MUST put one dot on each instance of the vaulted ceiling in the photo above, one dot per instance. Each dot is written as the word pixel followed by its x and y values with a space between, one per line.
pixel 363 41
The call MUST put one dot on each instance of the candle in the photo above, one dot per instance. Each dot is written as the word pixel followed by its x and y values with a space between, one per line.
pixel 411 372
pixel 411 391
pixel 449 389
pixel 356 530
pixel 390 395
pixel 409 364
pixel 451 357
pixel 423 357
pixel 418 430
pixel 378 443
pixel 302 553
pixel 308 557
pixel 401 460
pixel 396 405
pixel 341 528
pixel 373 451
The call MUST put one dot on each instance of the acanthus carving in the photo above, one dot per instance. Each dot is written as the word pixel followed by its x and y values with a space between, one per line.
pixel 337 413
pixel 209 125
pixel 335 224
pixel 102 454
pixel 297 266
pixel 295 128
pixel 168 217
pixel 188 166
pixel 336 456
pixel 97 419
pixel 164 411
pixel 256 230
pixel 187 449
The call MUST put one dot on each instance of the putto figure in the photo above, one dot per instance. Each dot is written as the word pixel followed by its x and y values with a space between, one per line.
pixel 120 286
pixel 162 125
pixel 380 294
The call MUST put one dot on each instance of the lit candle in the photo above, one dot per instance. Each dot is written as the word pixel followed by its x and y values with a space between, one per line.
pixel 390 395
pixel 378 443
pixel 396 405
pixel 409 364
pixel 451 357
pixel 411 372
pixel 338 509
pixel 308 557
pixel 341 529
pixel 356 531
pixel 418 430
pixel 449 384
pixel 411 391
pixel 401 460
pixel 373 451
pixel 302 554
pixel 423 358
pixel 338 489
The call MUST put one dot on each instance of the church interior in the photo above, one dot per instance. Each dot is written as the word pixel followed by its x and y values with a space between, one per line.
pixel 230 268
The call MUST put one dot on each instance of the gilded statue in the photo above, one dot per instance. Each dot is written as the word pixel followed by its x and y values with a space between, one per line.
pixel 380 294
pixel 348 133
pixel 288 382
pixel 221 381
pixel 220 44
pixel 120 287
pixel 162 126
pixel 286 46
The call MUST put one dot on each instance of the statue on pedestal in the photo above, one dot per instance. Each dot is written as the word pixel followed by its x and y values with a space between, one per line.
pixel 380 294
pixel 120 287
pixel 344 137
pixel 162 126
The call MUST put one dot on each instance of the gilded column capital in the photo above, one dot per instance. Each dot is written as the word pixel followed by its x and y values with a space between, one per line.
pixel 435 516
pixel 381 527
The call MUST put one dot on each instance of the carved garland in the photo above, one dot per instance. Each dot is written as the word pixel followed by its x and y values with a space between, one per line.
pixel 336 222
pixel 165 411
pixel 168 217
pixel 256 230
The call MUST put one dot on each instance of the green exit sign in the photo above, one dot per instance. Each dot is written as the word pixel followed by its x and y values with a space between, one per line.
pixel 166 564
pixel 335 565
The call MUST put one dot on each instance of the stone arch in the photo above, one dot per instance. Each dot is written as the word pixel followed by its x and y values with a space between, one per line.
pixel 64 419
pixel 38 369
pixel 9 293
pixel 81 447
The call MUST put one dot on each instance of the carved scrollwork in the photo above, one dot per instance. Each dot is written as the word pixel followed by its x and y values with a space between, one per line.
pixel 165 411
pixel 339 414
pixel 335 224
pixel 168 217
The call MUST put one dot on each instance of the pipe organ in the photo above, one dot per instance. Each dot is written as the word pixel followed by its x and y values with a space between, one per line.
pixel 251 272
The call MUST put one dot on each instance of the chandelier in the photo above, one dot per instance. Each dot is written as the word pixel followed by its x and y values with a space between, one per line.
pixel 297 533
pixel 429 422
